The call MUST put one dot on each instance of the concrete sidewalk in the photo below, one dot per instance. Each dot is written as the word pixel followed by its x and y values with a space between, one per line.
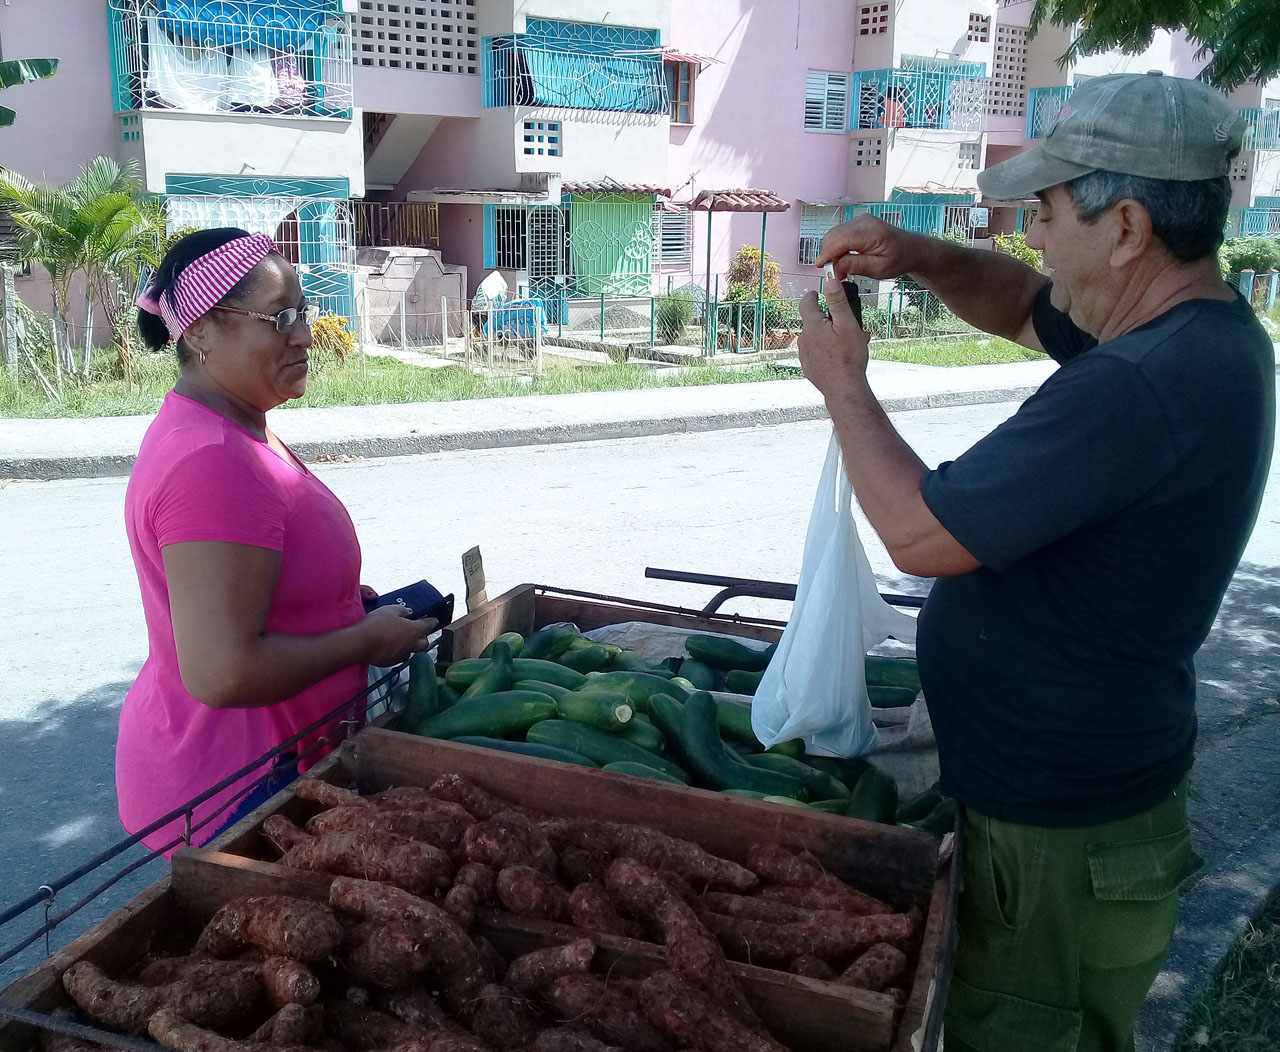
pixel 106 446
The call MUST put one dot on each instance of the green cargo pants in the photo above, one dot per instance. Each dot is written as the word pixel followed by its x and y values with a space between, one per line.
pixel 1063 931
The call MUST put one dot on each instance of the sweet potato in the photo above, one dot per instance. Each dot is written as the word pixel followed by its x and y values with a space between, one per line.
pixel 569 1039
pixel 578 865
pixel 288 927
pixel 527 892
pixel 761 942
pixel 535 971
pixel 460 903
pixel 383 954
pixel 591 909
pixel 283 834
pixel 293 1024
pixel 129 1006
pixel 480 802
pixel 170 1028
pixel 653 849
pixel 491 961
pixel 415 1005
pixel 811 967
pixel 440 830
pixel 501 1020
pixel 607 1012
pixel 289 982
pixel 195 969
pixel 326 795
pixel 410 864
pixel 695 1020
pixel 366 1029
pixel 509 839
pixel 878 968
pixel 777 865
pixel 770 910
pixel 483 879
pixel 451 955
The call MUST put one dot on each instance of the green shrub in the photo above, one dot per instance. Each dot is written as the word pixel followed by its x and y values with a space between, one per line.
pixel 673 313
pixel 1015 245
pixel 1259 254
pixel 745 270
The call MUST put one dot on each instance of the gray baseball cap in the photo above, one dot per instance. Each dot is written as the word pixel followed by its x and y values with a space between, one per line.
pixel 1143 124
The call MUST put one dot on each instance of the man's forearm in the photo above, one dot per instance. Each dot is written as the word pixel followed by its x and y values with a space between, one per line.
pixel 992 291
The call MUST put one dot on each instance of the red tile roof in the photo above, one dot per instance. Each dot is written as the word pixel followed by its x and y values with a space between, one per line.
pixel 612 186
pixel 738 201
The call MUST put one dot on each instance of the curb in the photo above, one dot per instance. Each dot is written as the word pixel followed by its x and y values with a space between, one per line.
pixel 116 465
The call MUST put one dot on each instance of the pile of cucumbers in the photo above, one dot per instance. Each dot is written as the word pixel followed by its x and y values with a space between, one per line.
pixel 560 696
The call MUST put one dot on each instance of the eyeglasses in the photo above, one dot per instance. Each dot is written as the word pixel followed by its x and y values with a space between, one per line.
pixel 284 321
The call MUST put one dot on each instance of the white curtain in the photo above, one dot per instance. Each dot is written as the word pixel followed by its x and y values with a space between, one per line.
pixel 258 215
pixel 208 79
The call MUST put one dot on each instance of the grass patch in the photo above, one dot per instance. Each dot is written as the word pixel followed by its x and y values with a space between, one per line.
pixel 1239 1008
pixel 374 381
pixel 968 350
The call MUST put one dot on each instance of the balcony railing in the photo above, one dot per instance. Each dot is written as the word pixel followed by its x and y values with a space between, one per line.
pixel 1263 129
pixel 394 224
pixel 919 98
pixel 935 219
pixel 575 66
pixel 1253 222
pixel 231 56
pixel 1043 107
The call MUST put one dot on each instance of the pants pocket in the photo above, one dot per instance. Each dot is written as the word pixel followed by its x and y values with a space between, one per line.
pixel 1001 870
pixel 996 1022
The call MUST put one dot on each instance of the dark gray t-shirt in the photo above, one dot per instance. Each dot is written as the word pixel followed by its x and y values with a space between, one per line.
pixel 1109 514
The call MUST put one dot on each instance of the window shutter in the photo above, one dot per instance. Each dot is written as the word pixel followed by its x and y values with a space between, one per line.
pixel 490 223
pixel 826 101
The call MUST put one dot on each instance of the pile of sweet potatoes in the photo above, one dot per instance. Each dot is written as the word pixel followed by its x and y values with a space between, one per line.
pixel 391 961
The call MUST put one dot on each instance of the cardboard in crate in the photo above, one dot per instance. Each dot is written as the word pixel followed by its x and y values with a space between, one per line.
pixel 901 866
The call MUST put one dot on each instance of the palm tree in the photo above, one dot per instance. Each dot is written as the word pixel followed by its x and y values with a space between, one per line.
pixel 19 71
pixel 1243 36
pixel 99 224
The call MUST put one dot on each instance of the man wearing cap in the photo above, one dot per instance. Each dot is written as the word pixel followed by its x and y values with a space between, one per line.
pixel 1081 549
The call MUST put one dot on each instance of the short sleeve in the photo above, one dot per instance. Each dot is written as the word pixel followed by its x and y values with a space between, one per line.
pixel 1058 334
pixel 216 494
pixel 1084 447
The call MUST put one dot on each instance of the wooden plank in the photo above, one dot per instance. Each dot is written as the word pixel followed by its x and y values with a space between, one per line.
pixel 512 611
pixel 204 880
pixel 894 863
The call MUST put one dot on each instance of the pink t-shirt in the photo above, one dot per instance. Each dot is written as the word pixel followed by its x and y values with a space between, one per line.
pixel 200 477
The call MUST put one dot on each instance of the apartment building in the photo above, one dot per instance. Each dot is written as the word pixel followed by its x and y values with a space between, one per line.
pixel 582 149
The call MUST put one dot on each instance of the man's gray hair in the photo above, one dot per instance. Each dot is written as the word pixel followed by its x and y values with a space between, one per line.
pixel 1188 217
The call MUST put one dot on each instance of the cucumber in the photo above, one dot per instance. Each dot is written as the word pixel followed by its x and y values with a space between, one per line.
pixel 672 665
pixel 792 747
pixel 608 711
pixel 719 652
pixel 644 734
pixel 630 661
pixel 448 697
pixel 543 752
pixel 582 643
pixel 892 672
pixel 588 659
pixel 939 821
pixel 640 770
pixel 734 720
pixel 739 681
pixel 920 805
pixel 462 674
pixel 664 712
pixel 874 796
pixel 424 695
pixel 497 677
pixel 790 801
pixel 513 639
pixel 598 745
pixel 750 794
pixel 847 771
pixel 700 674
pixel 549 642
pixel 819 785
pixel 551 689
pixel 684 684
pixel 637 686
pixel 491 715
pixel 712 764
pixel 891 697
pixel 834 806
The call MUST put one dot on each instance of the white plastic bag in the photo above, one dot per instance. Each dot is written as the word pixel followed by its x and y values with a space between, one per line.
pixel 815 687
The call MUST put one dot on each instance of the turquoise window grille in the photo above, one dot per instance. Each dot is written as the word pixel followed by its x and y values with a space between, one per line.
pixel 1043 107
pixel 231 56
pixel 575 65
pixel 941 214
pixel 920 94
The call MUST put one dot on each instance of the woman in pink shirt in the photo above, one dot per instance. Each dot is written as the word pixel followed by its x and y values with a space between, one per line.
pixel 249 566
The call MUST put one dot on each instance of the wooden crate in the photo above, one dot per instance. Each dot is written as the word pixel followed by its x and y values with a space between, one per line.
pixel 902 866
pixel 528 607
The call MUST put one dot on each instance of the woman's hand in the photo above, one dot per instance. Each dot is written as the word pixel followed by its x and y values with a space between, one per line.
pixel 368 594
pixel 391 635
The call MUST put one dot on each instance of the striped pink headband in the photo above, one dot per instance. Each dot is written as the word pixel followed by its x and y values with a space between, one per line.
pixel 205 281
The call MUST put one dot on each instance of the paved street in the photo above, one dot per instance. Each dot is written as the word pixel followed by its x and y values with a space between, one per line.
pixel 589 516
